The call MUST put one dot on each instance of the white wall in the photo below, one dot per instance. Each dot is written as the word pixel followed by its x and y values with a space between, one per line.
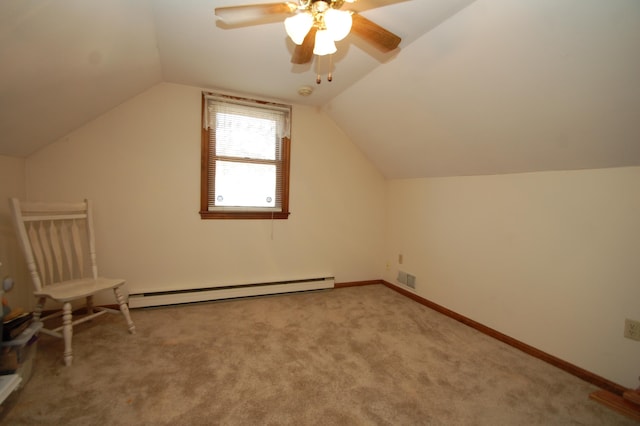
pixel 12 184
pixel 547 258
pixel 140 164
pixel 551 258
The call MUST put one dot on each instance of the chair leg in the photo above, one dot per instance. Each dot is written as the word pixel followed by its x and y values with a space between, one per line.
pixel 124 308
pixel 67 332
pixel 37 313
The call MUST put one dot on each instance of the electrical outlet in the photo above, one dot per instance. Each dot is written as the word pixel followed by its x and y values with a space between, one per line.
pixel 632 329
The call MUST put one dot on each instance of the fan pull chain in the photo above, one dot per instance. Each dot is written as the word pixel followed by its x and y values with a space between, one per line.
pixel 319 69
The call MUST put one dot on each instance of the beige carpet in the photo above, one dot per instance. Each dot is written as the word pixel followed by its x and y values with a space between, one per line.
pixel 354 356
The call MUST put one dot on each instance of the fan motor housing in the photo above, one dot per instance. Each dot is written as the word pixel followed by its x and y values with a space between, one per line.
pixel 323 5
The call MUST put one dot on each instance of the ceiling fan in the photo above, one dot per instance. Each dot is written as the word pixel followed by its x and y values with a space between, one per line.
pixel 314 25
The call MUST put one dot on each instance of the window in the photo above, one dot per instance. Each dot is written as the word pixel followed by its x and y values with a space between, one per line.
pixel 245 158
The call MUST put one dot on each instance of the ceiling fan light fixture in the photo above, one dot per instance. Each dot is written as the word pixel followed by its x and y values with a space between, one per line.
pixel 338 23
pixel 297 26
pixel 325 44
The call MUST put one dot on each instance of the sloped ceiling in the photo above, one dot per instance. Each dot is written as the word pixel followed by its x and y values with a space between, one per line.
pixel 65 62
pixel 476 87
pixel 506 86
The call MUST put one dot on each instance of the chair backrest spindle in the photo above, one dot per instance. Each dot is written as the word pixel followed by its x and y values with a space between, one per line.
pixel 57 240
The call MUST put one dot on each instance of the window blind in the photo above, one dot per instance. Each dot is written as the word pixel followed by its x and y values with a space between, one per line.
pixel 246 154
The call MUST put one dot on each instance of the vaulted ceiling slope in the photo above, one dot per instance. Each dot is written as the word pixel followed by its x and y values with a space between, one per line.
pixel 476 87
pixel 504 87
pixel 65 62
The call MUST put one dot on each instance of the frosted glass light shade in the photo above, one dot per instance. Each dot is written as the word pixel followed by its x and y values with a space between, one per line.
pixel 297 26
pixel 338 23
pixel 324 43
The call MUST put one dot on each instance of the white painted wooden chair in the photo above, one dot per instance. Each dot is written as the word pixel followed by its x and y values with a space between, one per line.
pixel 58 245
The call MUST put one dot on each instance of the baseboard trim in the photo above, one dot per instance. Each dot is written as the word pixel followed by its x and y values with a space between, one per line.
pixel 583 374
pixel 617 403
pixel 357 283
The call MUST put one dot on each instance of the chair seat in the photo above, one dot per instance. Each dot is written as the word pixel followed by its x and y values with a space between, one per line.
pixel 67 291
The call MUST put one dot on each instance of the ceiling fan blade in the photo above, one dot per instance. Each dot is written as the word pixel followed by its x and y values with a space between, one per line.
pixel 304 52
pixel 374 33
pixel 251 12
pixel 362 5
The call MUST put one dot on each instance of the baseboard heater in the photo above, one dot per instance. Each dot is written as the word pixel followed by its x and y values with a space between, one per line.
pixel 161 298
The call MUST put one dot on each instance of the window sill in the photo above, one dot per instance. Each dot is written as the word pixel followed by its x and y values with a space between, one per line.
pixel 243 215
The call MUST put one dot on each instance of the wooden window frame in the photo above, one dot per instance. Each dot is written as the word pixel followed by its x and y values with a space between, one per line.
pixel 206 157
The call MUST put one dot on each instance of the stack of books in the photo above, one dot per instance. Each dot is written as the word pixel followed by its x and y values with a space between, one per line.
pixel 13 327
pixel 19 335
